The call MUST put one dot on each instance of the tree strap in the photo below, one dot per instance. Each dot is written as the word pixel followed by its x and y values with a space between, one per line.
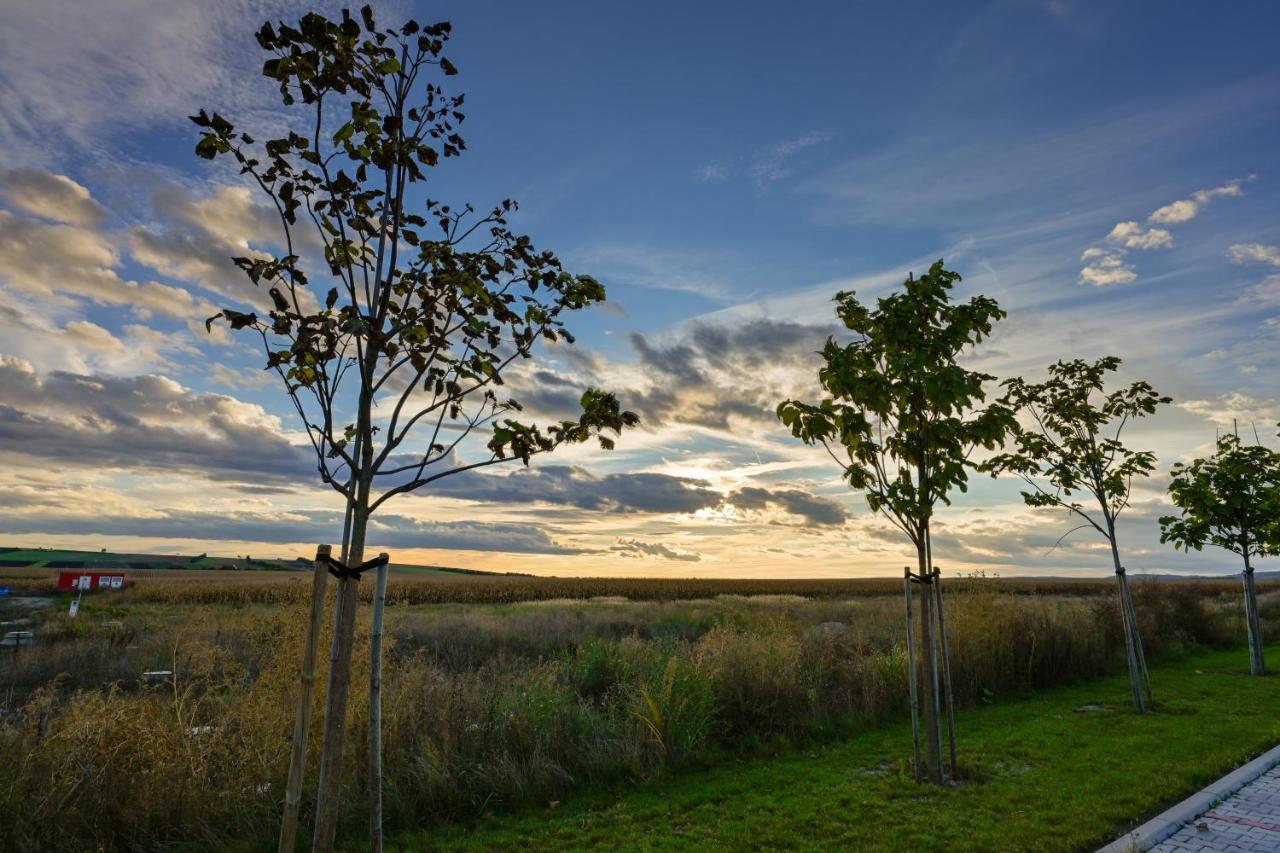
pixel 1120 572
pixel 341 570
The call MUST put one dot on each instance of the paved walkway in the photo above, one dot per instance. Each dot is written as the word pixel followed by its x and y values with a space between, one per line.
pixel 1248 820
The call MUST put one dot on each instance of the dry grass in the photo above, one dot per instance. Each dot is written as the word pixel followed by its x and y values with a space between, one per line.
pixel 498 707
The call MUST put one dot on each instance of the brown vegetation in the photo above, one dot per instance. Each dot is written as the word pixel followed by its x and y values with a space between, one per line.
pixel 497 707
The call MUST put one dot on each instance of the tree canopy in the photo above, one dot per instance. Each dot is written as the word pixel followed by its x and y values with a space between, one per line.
pixel 1230 499
pixel 1070 441
pixel 412 305
pixel 901 417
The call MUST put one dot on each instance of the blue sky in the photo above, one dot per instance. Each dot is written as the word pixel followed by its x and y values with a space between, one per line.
pixel 1109 172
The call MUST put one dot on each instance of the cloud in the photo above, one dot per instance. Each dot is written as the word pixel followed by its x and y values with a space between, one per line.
pixel 1236 408
pixel 295 527
pixel 73 264
pixel 772 164
pixel 637 548
pixel 765 166
pixel 1186 209
pixel 1105 267
pixel 812 508
pixel 50 196
pixel 1246 253
pixel 1132 236
pixel 565 485
pixel 701 273
pixel 142 423
pixel 71 72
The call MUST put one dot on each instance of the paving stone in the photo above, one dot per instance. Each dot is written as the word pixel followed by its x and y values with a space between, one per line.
pixel 1246 822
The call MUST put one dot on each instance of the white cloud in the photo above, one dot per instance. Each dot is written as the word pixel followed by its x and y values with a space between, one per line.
pixel 1228 410
pixel 1105 268
pixel 72 70
pixel 73 264
pixel 767 165
pixel 50 196
pixel 1184 210
pixel 1132 236
pixel 1245 253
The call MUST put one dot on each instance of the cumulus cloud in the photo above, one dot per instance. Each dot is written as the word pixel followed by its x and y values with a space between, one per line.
pixel 1229 410
pixel 638 548
pixel 1131 235
pixel 296 527
pixel 1186 209
pixel 812 508
pixel 1108 266
pixel 572 486
pixel 73 264
pixel 50 196
pixel 1105 267
pixel 141 423
pixel 1254 253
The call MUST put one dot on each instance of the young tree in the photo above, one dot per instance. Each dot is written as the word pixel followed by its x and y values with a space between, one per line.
pixel 901 418
pixel 1232 500
pixel 393 335
pixel 1070 444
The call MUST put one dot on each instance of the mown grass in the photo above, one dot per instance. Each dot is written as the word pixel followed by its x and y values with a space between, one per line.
pixel 1049 778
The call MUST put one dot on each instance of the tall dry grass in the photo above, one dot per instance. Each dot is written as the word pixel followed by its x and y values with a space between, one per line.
pixel 490 708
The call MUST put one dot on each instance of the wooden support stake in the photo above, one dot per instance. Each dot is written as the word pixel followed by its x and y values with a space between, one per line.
pixel 946 674
pixel 932 707
pixel 335 712
pixel 1131 657
pixel 306 689
pixel 1257 664
pixel 911 673
pixel 375 710
pixel 1137 646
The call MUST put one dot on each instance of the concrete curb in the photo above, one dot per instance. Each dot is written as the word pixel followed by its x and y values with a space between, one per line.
pixel 1171 820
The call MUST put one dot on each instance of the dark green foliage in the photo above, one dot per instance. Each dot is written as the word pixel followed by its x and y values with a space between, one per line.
pixel 418 308
pixel 1231 499
pixel 1072 439
pixel 901 417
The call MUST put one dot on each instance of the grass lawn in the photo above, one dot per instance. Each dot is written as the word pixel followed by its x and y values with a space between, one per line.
pixel 1054 778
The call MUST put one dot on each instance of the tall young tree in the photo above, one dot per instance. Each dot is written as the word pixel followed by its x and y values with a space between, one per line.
pixel 902 416
pixel 1232 500
pixel 1069 444
pixel 390 318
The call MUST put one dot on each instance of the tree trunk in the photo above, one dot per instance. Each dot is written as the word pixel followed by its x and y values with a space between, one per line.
pixel 1129 624
pixel 945 650
pixel 302 722
pixel 335 712
pixel 911 672
pixel 1253 625
pixel 375 711
pixel 928 641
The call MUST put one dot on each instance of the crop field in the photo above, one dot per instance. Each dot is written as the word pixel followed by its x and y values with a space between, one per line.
pixel 505 695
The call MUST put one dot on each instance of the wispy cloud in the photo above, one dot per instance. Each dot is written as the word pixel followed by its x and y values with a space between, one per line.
pixel 765 166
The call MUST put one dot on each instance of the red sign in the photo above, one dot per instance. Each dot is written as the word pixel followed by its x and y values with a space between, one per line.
pixel 76 579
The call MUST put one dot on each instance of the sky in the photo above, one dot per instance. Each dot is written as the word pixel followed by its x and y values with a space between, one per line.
pixel 1110 173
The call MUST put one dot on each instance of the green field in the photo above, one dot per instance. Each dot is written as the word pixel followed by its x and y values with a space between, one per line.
pixel 1048 777
pixel 49 558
